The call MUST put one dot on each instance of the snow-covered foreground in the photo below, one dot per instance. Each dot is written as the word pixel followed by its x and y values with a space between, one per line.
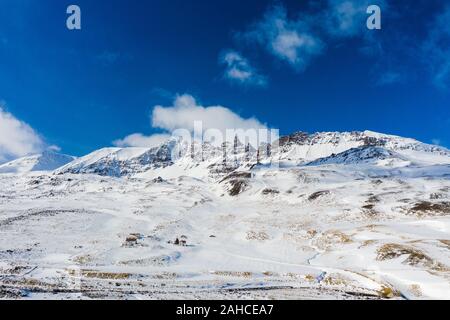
pixel 339 227
pixel 66 235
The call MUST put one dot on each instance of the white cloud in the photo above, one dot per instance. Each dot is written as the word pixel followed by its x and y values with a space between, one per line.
pixel 186 111
pixel 346 18
pixel 140 140
pixel 54 148
pixel 17 138
pixel 289 40
pixel 297 38
pixel 239 70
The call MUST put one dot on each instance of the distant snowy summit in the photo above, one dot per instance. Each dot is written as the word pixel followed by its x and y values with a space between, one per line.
pixel 46 161
pixel 311 147
pixel 203 159
pixel 117 162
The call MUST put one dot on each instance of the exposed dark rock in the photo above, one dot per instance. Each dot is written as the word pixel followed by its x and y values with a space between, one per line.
pixel 318 194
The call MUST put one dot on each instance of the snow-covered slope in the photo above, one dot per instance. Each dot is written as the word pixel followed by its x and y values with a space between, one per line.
pixel 344 215
pixel 119 162
pixel 413 149
pixel 365 155
pixel 299 148
pixel 303 147
pixel 47 161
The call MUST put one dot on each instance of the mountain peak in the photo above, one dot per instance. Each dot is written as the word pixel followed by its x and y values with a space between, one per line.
pixel 299 148
pixel 360 155
pixel 46 161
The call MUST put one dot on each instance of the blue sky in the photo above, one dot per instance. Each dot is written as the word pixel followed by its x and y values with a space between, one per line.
pixel 293 65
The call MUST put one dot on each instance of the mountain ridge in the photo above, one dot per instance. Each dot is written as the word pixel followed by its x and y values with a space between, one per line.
pixel 296 149
pixel 299 148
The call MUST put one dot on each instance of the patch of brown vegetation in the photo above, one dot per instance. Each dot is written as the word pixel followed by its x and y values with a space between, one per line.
pixel 431 208
pixel 331 238
pixel 415 256
pixel 270 274
pixel 446 242
pixel 367 243
pixel 340 236
pixel 100 274
pixel 311 233
pixel 415 290
pixel 335 280
pixel 387 293
pixel 83 259
pixel 240 274
pixel 310 278
pixel 261 235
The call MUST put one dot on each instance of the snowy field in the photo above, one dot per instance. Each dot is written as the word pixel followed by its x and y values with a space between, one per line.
pixel 325 230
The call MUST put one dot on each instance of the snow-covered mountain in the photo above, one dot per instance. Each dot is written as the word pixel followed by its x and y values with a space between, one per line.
pixel 309 147
pixel 364 155
pixel 119 162
pixel 296 149
pixel 326 215
pixel 46 161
